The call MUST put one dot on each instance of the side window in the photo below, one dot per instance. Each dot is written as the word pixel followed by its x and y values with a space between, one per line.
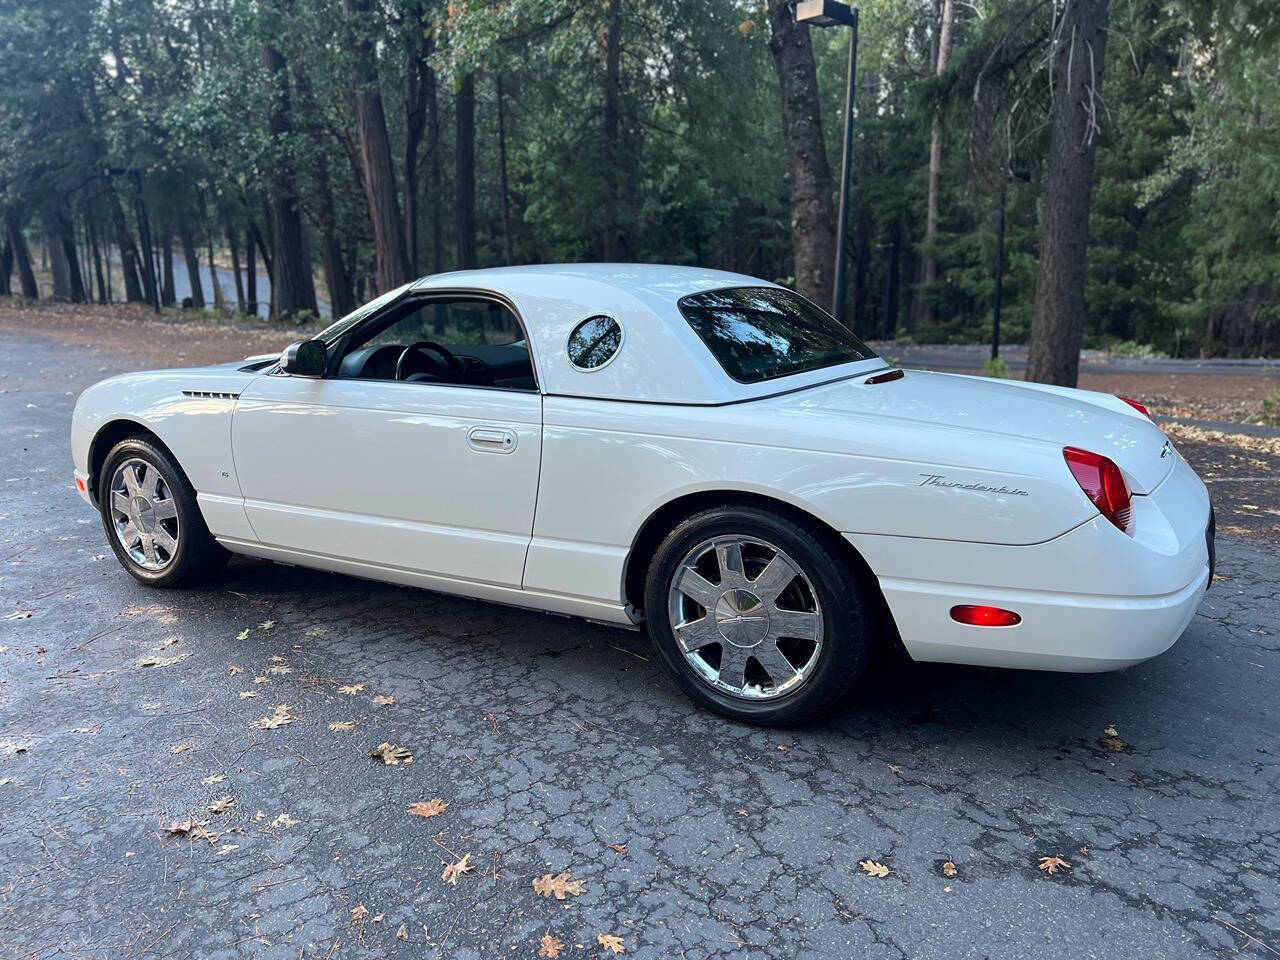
pixel 466 341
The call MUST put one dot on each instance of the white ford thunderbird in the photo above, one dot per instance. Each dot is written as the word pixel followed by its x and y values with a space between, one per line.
pixel 704 453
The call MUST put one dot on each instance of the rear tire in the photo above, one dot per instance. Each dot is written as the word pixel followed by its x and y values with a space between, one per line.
pixel 151 518
pixel 731 589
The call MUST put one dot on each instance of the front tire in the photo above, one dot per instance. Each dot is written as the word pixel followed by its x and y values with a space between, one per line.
pixel 151 518
pixel 758 617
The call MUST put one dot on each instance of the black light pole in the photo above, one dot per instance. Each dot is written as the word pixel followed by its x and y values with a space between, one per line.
pixel 832 13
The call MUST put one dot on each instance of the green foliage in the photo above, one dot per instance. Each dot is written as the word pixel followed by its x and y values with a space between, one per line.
pixel 1270 412
pixel 995 367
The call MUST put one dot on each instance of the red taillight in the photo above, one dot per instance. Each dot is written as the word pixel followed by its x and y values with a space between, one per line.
pixel 1102 482
pixel 1135 404
pixel 980 616
pixel 80 485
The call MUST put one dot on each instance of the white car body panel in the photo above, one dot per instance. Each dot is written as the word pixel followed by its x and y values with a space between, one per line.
pixel 952 489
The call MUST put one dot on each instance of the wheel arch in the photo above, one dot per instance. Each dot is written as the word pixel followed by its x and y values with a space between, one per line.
pixel 664 519
pixel 108 435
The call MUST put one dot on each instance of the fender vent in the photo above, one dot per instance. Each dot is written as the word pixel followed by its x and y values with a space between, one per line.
pixel 210 394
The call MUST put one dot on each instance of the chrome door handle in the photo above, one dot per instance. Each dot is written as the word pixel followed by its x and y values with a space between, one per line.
pixel 491 439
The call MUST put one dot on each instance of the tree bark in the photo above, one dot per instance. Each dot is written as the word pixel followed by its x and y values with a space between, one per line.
pixel 6 266
pixel 192 260
pixel 95 250
pixel 219 302
pixel 380 188
pixel 128 252
pixel 465 173
pixel 1057 326
pixel 21 257
pixel 167 289
pixel 292 290
pixel 502 172
pixel 415 122
pixel 923 313
pixel 64 262
pixel 611 239
pixel 434 173
pixel 813 233
pixel 233 243
pixel 250 273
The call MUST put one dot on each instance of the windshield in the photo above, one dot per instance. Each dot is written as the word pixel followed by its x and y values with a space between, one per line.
pixel 759 333
pixel 336 329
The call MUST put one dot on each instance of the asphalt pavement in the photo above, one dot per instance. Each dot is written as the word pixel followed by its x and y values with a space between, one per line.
pixel 561 746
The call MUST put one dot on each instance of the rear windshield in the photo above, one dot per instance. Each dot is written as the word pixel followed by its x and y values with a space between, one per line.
pixel 759 333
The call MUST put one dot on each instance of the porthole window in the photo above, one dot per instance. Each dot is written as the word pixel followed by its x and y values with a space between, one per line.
pixel 594 342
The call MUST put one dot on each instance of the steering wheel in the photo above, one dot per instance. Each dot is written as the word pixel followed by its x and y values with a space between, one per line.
pixel 447 359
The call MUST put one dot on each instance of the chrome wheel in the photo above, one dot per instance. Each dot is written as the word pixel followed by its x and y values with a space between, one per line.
pixel 746 617
pixel 143 514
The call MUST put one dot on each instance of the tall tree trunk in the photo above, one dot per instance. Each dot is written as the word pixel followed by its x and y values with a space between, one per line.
pixel 1058 324
pixel 292 289
pixel 380 188
pixel 219 302
pixel 167 289
pixel 434 173
pixel 64 261
pixel 104 292
pixel 923 314
pixel 6 266
pixel 21 256
pixel 611 240
pixel 251 273
pixel 144 245
pixel 465 173
pixel 192 260
pixel 415 122
pixel 133 292
pixel 502 172
pixel 234 244
pixel 813 232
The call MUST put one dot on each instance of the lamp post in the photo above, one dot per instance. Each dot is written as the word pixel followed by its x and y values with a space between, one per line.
pixel 832 13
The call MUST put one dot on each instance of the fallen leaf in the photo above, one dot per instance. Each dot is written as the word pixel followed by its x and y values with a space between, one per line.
pixel 318 632
pixel 185 825
pixel 949 869
pixel 873 868
pixel 359 913
pixel 383 700
pixel 391 755
pixel 379 918
pixel 267 625
pixel 227 848
pixel 742 812
pixel 261 679
pixel 351 689
pixel 557 886
pixel 285 821
pixel 1111 732
pixel 280 718
pixel 454 870
pixel 618 848
pixel 248 694
pixel 210 781
pixel 154 661
pixel 204 833
pixel 276 658
pixel 403 932
pixel 427 808
pixel 1051 865
pixel 222 804
pixel 20 615
pixel 279 669
pixel 784 747
pixel 946 889
pixel 181 747
pixel 1114 744
pixel 342 726
pixel 550 947
pixel 895 769
pixel 233 670
pixel 610 942
pixel 243 634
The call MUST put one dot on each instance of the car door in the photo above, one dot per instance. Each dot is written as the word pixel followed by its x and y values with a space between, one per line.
pixel 432 477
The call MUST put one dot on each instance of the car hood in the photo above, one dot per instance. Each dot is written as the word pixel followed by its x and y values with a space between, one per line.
pixel 1060 416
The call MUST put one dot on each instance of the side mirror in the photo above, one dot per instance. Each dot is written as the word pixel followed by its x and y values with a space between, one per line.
pixel 306 358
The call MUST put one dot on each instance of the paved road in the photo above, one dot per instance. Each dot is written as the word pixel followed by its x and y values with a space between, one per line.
pixel 553 739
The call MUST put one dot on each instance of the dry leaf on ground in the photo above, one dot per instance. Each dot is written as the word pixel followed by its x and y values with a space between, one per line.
pixel 154 661
pixel 383 700
pixel 261 679
pixel 557 886
pixel 1051 865
pixel 243 634
pixel 284 820
pixel 233 670
pixel 318 632
pixel 452 871
pixel 610 942
pixel 403 932
pixel 267 625
pixel 248 694
pixel 227 848
pixel 20 615
pixel 222 804
pixel 280 718
pixel 181 747
pixel 185 825
pixel 550 946
pixel 210 781
pixel 351 689
pixel 618 847
pixel 427 808
pixel 949 869
pixel 874 868
pixel 204 833
pixel 1114 744
pixel 391 755
pixel 359 913
pixel 342 726
pixel 279 669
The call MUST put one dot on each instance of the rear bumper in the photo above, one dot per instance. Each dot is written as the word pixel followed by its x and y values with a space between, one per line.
pixel 1093 599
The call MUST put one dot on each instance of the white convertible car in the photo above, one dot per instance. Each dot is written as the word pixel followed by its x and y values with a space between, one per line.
pixel 704 453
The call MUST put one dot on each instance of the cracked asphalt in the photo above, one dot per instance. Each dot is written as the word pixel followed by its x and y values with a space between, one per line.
pixel 552 740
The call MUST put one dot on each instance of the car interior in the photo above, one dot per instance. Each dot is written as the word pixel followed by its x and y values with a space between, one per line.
pixel 467 341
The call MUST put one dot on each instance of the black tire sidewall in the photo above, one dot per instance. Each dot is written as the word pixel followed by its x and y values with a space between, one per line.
pixel 846 641
pixel 194 541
